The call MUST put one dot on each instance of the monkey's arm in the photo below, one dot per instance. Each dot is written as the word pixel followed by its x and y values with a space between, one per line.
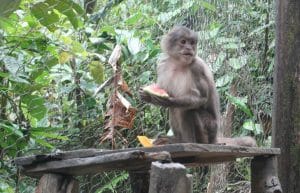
pixel 155 100
pixel 191 100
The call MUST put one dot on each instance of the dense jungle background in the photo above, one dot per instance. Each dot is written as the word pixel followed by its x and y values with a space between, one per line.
pixel 55 80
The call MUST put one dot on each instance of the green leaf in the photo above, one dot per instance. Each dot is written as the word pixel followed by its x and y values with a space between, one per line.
pixel 90 102
pixel 97 71
pixel 134 45
pixel 4 187
pixel 32 22
pixel 45 15
pixel 77 47
pixel 261 28
pixel 12 129
pixel 251 126
pixel 224 40
pixel 65 8
pixel 13 65
pixel 233 46
pixel 240 102
pixel 224 80
pixel 144 78
pixel 111 185
pixel 208 6
pixel 219 62
pixel 64 57
pixel 44 143
pixel 51 61
pixel 109 29
pixel 7 24
pixel 35 106
pixel 8 7
pixel 134 19
pixel 49 135
pixel 43 79
pixel 4 75
pixel 238 63
pixel 45 129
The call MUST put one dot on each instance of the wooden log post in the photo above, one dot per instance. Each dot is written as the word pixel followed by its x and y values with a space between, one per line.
pixel 139 180
pixel 264 178
pixel 55 183
pixel 169 178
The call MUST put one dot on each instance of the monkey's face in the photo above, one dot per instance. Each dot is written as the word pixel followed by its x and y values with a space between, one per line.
pixel 180 44
pixel 186 49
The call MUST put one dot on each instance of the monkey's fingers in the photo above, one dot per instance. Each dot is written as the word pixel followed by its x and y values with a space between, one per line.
pixel 145 96
pixel 161 101
pixel 162 141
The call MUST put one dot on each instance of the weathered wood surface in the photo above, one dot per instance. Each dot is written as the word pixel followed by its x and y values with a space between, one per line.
pixel 131 160
pixel 55 183
pixel 139 180
pixel 93 160
pixel 264 177
pixel 169 178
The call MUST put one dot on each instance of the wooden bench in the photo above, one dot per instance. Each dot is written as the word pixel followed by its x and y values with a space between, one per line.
pixel 56 171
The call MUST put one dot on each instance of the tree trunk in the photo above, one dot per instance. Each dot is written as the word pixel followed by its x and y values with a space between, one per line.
pixel 286 106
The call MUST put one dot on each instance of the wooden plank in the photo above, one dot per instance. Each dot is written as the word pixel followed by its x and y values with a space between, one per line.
pixel 132 160
pixel 82 153
pixel 176 150
pixel 92 160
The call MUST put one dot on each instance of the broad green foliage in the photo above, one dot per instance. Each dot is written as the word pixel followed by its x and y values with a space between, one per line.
pixel 96 71
pixel 47 13
pixel 8 7
pixel 53 57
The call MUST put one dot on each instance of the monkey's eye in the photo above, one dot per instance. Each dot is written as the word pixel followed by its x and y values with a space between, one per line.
pixel 183 41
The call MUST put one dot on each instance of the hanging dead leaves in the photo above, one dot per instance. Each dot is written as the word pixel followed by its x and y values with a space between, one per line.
pixel 120 113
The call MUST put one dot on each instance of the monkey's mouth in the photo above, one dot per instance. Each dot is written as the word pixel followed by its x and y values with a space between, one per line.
pixel 187 54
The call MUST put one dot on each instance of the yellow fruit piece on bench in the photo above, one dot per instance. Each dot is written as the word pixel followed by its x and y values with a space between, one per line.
pixel 145 141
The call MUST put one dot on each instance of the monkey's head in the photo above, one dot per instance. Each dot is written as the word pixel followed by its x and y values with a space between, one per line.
pixel 181 44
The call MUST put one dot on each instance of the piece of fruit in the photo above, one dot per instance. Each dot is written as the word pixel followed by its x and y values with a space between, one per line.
pixel 154 89
pixel 145 141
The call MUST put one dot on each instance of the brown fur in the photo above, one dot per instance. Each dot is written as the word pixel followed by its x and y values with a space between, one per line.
pixel 193 103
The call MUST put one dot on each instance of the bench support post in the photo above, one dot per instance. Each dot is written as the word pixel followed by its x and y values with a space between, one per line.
pixel 139 180
pixel 264 178
pixel 169 178
pixel 55 183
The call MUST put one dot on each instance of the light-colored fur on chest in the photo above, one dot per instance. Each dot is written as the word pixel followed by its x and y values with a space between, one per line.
pixel 175 79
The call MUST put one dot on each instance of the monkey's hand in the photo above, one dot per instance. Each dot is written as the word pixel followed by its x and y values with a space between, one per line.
pixel 163 140
pixel 145 96
pixel 161 101
pixel 154 99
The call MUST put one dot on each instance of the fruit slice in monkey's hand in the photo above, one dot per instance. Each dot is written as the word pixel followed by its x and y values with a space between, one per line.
pixel 155 95
pixel 155 90
pixel 145 141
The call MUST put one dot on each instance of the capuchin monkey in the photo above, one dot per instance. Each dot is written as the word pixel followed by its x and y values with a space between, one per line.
pixel 193 102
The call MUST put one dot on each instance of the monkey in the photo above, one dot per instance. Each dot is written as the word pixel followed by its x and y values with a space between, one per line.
pixel 193 102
